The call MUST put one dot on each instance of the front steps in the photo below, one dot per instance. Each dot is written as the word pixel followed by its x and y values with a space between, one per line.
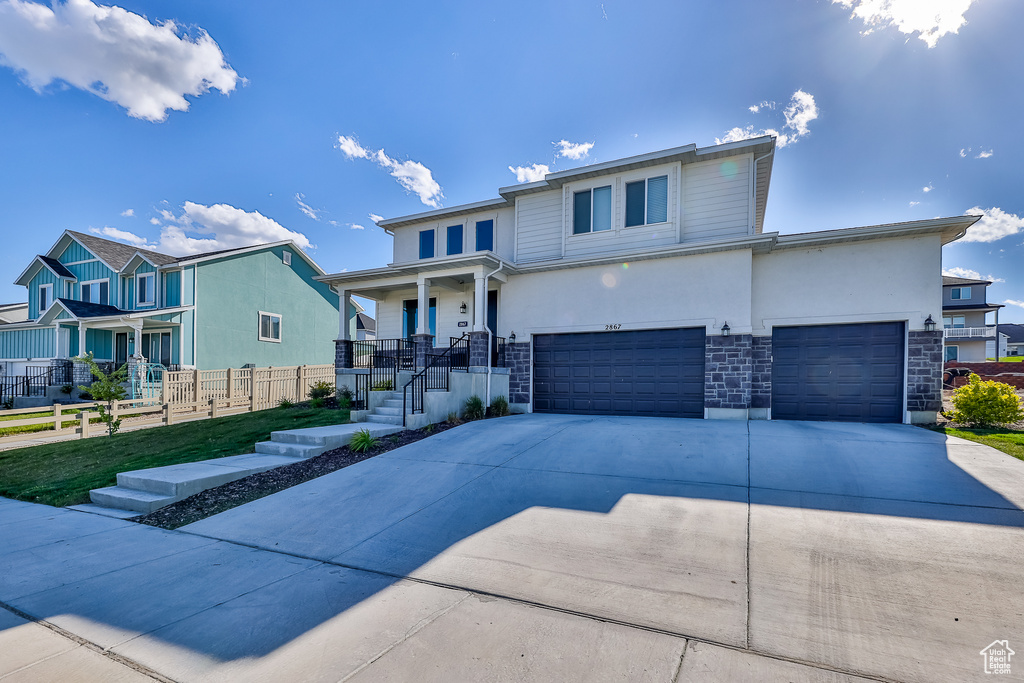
pixel 390 412
pixel 143 491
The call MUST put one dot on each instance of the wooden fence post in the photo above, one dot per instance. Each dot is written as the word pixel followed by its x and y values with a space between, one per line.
pixel 165 389
pixel 231 383
pixel 196 389
pixel 56 417
pixel 83 429
pixel 252 390
pixel 213 407
pixel 168 414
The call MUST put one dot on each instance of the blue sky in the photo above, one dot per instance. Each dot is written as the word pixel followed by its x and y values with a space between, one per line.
pixel 201 125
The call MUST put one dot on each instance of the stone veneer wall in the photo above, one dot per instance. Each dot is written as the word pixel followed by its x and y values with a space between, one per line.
pixel 342 354
pixel 761 373
pixel 924 370
pixel 517 359
pixel 728 367
pixel 478 354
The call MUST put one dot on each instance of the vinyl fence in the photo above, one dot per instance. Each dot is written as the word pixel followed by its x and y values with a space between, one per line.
pixel 263 387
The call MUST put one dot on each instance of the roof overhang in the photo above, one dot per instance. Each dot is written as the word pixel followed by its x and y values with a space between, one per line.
pixel 950 229
pixel 187 261
pixel 461 210
pixel 33 268
pixel 405 275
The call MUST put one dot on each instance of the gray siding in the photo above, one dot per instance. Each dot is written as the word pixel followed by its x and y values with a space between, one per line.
pixel 716 199
pixel 540 227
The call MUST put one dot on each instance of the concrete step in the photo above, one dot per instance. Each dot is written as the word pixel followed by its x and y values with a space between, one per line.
pixel 385 419
pixel 386 410
pixel 393 403
pixel 291 450
pixel 129 499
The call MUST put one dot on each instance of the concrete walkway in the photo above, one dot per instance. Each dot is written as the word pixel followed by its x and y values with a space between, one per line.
pixel 562 548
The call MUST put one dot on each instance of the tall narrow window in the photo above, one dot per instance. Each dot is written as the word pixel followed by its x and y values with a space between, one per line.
pixel 426 244
pixel 485 235
pixel 270 327
pixel 145 289
pixel 592 210
pixel 45 297
pixel 454 239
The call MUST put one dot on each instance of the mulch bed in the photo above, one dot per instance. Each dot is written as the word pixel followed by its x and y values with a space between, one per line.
pixel 947 405
pixel 255 486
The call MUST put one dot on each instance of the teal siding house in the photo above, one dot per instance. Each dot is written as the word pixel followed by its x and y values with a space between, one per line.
pixel 254 305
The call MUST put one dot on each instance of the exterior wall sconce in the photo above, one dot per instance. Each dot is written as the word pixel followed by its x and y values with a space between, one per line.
pixel 929 324
pixel 512 337
pixel 725 330
pixel 462 308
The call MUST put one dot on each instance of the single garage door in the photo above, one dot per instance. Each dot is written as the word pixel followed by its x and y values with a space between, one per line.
pixel 644 372
pixel 846 373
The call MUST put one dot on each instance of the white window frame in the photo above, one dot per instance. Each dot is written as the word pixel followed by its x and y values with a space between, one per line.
pixel 286 257
pixel 960 291
pixel 646 180
pixel 259 327
pixel 90 283
pixel 49 298
pixel 138 278
pixel 951 346
pixel 601 184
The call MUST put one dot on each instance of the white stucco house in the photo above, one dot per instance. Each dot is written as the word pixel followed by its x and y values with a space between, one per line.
pixel 647 286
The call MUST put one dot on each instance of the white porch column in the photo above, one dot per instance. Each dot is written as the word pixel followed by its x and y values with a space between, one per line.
pixel 344 302
pixel 81 337
pixel 423 312
pixel 480 303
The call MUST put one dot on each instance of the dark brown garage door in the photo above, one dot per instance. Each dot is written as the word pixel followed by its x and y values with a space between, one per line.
pixel 645 372
pixel 846 373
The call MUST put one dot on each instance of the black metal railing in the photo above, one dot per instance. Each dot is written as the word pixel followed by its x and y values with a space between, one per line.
pixel 458 357
pixel 384 358
pixel 499 351
pixel 434 376
pixel 13 386
pixel 361 396
pixel 39 377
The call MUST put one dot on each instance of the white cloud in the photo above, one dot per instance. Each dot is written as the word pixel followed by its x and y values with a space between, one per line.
pixel 963 153
pixel 128 213
pixel 928 188
pixel 201 228
pixel 1014 302
pixel 112 53
pixel 356 226
pixel 930 19
pixel 412 175
pixel 376 217
pixel 530 174
pixel 798 115
pixel 306 208
pixel 995 224
pixel 970 274
pixel 914 203
pixel 573 150
pixel 984 154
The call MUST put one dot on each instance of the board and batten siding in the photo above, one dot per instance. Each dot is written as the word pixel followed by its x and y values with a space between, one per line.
pixel 539 227
pixel 37 343
pixel 75 252
pixel 716 199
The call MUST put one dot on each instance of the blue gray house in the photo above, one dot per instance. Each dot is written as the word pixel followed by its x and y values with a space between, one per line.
pixel 252 305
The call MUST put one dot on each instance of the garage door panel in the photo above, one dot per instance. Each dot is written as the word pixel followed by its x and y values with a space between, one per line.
pixel 644 372
pixel 838 372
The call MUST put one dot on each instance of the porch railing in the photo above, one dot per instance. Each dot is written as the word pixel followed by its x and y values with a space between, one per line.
pixel 384 358
pixel 458 357
pixel 434 376
pixel 964 332
pixel 499 349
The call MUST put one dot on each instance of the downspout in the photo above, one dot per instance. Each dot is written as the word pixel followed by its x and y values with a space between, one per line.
pixel 490 333
pixel 753 190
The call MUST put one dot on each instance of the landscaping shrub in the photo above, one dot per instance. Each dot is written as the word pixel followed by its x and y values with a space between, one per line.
pixel 320 390
pixel 453 418
pixel 982 403
pixel 499 407
pixel 316 403
pixel 362 441
pixel 284 403
pixel 67 389
pixel 107 389
pixel 474 409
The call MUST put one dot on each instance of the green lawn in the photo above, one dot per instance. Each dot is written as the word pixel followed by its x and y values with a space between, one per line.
pixel 1006 440
pixel 63 473
pixel 1010 359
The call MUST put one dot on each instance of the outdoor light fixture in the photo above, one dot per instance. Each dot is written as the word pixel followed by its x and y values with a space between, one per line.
pixel 512 337
pixel 929 324
pixel 462 308
pixel 725 330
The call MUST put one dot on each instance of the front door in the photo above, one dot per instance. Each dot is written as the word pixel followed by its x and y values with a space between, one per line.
pixel 120 348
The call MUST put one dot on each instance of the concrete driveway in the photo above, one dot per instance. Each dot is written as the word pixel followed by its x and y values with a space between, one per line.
pixel 562 548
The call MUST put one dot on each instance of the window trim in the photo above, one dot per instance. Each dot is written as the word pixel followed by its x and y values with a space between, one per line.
pixel 49 298
pixel 138 278
pixel 433 243
pixel 951 346
pixel 89 284
pixel 259 326
pixel 647 189
pixel 957 294
pixel 611 210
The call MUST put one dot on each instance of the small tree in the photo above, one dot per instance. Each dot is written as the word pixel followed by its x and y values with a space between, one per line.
pixel 985 404
pixel 106 389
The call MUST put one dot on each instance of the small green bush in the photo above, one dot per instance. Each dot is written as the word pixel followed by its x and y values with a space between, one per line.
pixel 320 390
pixel 453 418
pixel 316 403
pixel 67 389
pixel 284 403
pixel 383 385
pixel 499 407
pixel 474 409
pixel 982 403
pixel 362 441
pixel 345 393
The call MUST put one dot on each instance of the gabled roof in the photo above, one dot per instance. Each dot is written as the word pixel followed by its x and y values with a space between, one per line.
pixel 1013 331
pixel 85 309
pixel 51 264
pixel 117 254
pixel 949 280
pixel 57 267
pixel 365 322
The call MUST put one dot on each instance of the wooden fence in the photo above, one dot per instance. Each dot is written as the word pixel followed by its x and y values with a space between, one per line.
pixel 264 387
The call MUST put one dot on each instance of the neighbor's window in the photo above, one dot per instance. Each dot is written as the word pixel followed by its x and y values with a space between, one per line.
pixel 961 293
pixel 485 235
pixel 270 327
pixel 96 291
pixel 426 244
pixel 145 289
pixel 45 297
pixel 286 257
pixel 647 201
pixel 454 239
pixel 592 210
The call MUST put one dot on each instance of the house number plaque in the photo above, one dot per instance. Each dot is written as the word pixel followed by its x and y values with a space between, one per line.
pixel 463 323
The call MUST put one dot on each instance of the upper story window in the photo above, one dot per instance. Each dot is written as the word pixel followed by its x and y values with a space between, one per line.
pixel 647 201
pixel 454 239
pixel 426 244
pixel 45 297
pixel 960 293
pixel 485 235
pixel 592 210
pixel 286 257
pixel 96 291
pixel 957 321
pixel 145 289
pixel 270 327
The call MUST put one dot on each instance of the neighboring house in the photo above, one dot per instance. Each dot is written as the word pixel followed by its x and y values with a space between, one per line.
pixel 13 313
pixel 1014 339
pixel 967 337
pixel 255 305
pixel 366 327
pixel 646 286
